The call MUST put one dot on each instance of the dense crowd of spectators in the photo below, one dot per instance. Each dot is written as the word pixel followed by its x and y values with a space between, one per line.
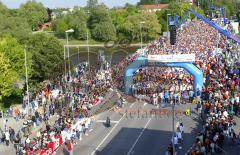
pixel 216 56
pixel 66 99
pixel 150 82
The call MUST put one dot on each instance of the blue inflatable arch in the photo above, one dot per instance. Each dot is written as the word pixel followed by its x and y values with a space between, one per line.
pixel 143 61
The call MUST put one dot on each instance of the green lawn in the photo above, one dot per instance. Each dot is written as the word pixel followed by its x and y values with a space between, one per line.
pixel 80 42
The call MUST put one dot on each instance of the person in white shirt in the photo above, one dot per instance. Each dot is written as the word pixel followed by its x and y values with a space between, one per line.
pixel 7 137
pixel 181 127
pixel 175 140
pixel 80 131
pixel 179 136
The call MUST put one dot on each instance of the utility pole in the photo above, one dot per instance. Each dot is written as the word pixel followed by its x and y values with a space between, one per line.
pixel 26 78
pixel 88 12
pixel 173 125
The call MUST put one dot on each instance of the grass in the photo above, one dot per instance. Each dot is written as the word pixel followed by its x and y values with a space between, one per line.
pixel 107 51
pixel 80 42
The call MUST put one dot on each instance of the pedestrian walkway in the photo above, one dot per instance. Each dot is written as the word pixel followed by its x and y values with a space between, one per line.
pixel 17 126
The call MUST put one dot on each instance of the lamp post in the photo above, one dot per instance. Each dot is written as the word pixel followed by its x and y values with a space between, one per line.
pixel 88 12
pixel 167 25
pixel 68 31
pixel 173 125
pixel 142 22
pixel 26 74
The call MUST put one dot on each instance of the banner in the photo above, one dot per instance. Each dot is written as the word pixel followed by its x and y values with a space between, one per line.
pixel 172 58
pixel 51 147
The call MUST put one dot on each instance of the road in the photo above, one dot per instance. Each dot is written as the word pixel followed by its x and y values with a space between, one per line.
pixel 133 134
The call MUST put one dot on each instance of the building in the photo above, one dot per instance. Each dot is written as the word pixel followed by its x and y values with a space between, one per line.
pixel 154 7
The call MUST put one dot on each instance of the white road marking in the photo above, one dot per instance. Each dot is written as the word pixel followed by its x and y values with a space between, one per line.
pixel 109 133
pixel 131 149
pixel 103 121
pixel 144 104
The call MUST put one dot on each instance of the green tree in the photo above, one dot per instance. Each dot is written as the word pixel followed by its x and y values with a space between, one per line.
pixel 99 14
pixel 16 27
pixel 150 29
pixel 60 26
pixel 34 12
pixel 104 31
pixel 78 21
pixel 15 54
pixel 92 3
pixel 4 10
pixel 12 62
pixel 47 53
pixel 176 8
pixel 7 77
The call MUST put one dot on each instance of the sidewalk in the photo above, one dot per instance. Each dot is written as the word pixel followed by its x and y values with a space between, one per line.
pixel 10 150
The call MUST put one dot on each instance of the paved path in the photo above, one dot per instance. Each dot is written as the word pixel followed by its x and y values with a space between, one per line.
pixel 17 125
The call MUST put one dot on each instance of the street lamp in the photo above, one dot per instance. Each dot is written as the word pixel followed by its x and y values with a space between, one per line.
pixel 88 12
pixel 142 22
pixel 26 72
pixel 68 31
pixel 167 25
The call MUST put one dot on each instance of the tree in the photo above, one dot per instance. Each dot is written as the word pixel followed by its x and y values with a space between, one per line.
pixel 60 26
pixel 47 53
pixel 144 2
pixel 176 8
pixel 15 54
pixel 34 12
pixel 99 14
pixel 104 31
pixel 7 77
pixel 162 18
pixel 4 10
pixel 78 21
pixel 12 64
pixel 150 29
pixel 16 27
pixel 92 3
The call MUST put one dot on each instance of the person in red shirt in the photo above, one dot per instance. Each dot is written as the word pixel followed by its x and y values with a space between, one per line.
pixel 70 148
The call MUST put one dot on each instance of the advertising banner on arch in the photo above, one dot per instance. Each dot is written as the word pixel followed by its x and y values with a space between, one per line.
pixel 172 58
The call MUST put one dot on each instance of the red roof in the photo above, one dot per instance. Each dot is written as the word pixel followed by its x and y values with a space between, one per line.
pixel 156 6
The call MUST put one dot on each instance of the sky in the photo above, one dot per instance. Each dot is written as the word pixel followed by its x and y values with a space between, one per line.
pixel 68 3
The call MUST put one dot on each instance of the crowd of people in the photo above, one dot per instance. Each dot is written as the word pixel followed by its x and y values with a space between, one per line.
pixel 151 84
pixel 69 101
pixel 216 56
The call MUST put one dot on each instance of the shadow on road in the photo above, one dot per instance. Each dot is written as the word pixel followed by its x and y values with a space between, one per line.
pixel 151 142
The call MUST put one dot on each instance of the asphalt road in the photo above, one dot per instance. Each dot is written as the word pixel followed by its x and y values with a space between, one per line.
pixel 133 134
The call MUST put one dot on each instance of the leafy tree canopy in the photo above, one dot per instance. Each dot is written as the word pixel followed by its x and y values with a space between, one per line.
pixel 15 54
pixel 92 3
pixel 99 14
pixel 150 29
pixel 16 27
pixel 47 53
pixel 104 31
pixel 34 12
pixel 7 77
pixel 12 62
pixel 4 10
